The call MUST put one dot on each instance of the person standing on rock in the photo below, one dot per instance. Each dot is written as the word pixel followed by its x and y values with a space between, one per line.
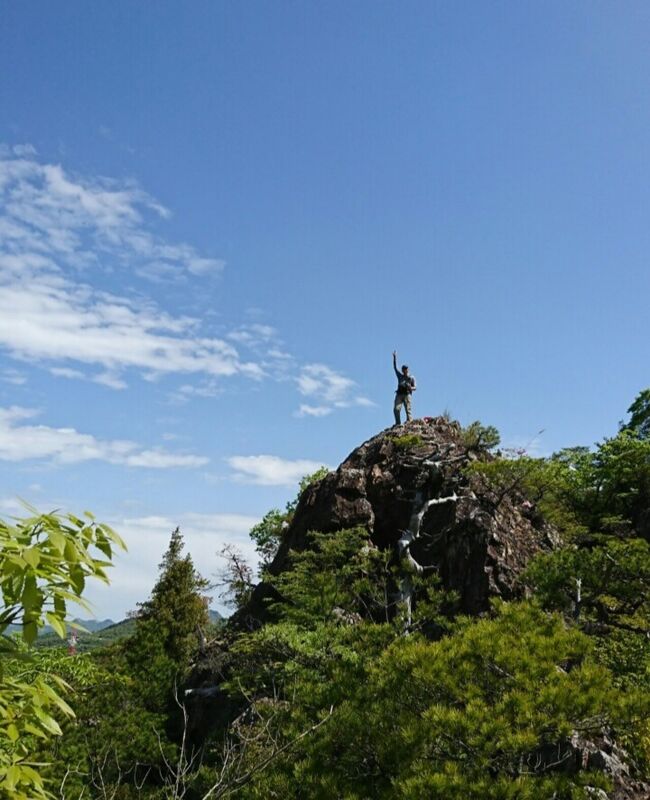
pixel 405 388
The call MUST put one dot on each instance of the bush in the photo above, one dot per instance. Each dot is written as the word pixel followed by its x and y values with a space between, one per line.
pixel 480 437
pixel 408 442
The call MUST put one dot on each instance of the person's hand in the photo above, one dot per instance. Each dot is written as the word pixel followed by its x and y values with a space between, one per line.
pixel 394 353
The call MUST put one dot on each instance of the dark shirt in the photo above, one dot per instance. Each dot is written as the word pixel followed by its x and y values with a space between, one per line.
pixel 405 383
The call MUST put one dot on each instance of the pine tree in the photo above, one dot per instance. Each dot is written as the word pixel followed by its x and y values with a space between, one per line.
pixel 177 608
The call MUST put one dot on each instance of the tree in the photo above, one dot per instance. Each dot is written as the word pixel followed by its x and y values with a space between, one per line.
pixel 128 724
pixel 614 577
pixel 477 436
pixel 267 534
pixel 177 608
pixel 45 561
pixel 548 487
pixel 483 713
pixel 639 411
pixel 486 712
pixel 111 739
pixel 236 578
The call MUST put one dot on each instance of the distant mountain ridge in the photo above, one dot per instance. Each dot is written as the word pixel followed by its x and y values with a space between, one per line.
pixel 97 625
pixel 92 625
pixel 99 633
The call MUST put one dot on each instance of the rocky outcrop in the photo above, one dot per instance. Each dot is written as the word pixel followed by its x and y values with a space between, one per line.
pixel 409 488
pixel 599 755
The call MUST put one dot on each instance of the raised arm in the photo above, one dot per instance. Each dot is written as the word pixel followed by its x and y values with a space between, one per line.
pixel 395 363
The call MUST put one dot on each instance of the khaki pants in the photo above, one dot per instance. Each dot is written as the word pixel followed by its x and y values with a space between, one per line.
pixel 402 400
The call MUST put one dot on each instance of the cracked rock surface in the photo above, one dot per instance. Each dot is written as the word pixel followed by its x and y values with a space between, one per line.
pixel 477 546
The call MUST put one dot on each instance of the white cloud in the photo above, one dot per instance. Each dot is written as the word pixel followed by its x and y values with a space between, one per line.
pixel 66 372
pixel 55 231
pixel 110 380
pixel 266 470
pixel 253 335
pixel 318 380
pixel 13 507
pixel 24 150
pixel 44 318
pixel 206 389
pixel 21 442
pixel 329 388
pixel 306 410
pixel 62 235
pixel 14 377
pixel 204 266
pixel 280 355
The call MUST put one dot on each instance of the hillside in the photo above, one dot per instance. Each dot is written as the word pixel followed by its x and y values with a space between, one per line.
pixel 103 635
pixel 92 639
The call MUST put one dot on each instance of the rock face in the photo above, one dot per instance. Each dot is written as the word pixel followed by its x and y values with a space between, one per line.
pixel 407 486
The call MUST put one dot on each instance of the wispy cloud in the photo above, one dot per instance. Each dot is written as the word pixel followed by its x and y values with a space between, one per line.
pixel 63 236
pixel 20 441
pixel 329 389
pixel 56 230
pixel 67 372
pixel 52 319
pixel 265 470
pixel 110 380
pixel 13 376
pixel 305 410
pixel 253 335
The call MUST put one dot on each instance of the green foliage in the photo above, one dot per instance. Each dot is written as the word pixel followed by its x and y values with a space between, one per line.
pixel 113 739
pixel 408 441
pixel 614 577
pixel 267 534
pixel 639 411
pixel 338 597
pixel 617 484
pixel 45 561
pixel 607 490
pixel 471 716
pixel 579 490
pixel 477 436
pixel 544 487
pixel 177 607
pixel 614 607
pixel 337 574
pixel 127 722
pixel 482 713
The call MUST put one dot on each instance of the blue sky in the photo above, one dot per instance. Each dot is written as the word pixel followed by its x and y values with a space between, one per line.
pixel 217 220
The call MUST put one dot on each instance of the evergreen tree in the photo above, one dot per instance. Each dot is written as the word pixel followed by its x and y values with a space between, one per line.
pixel 177 608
